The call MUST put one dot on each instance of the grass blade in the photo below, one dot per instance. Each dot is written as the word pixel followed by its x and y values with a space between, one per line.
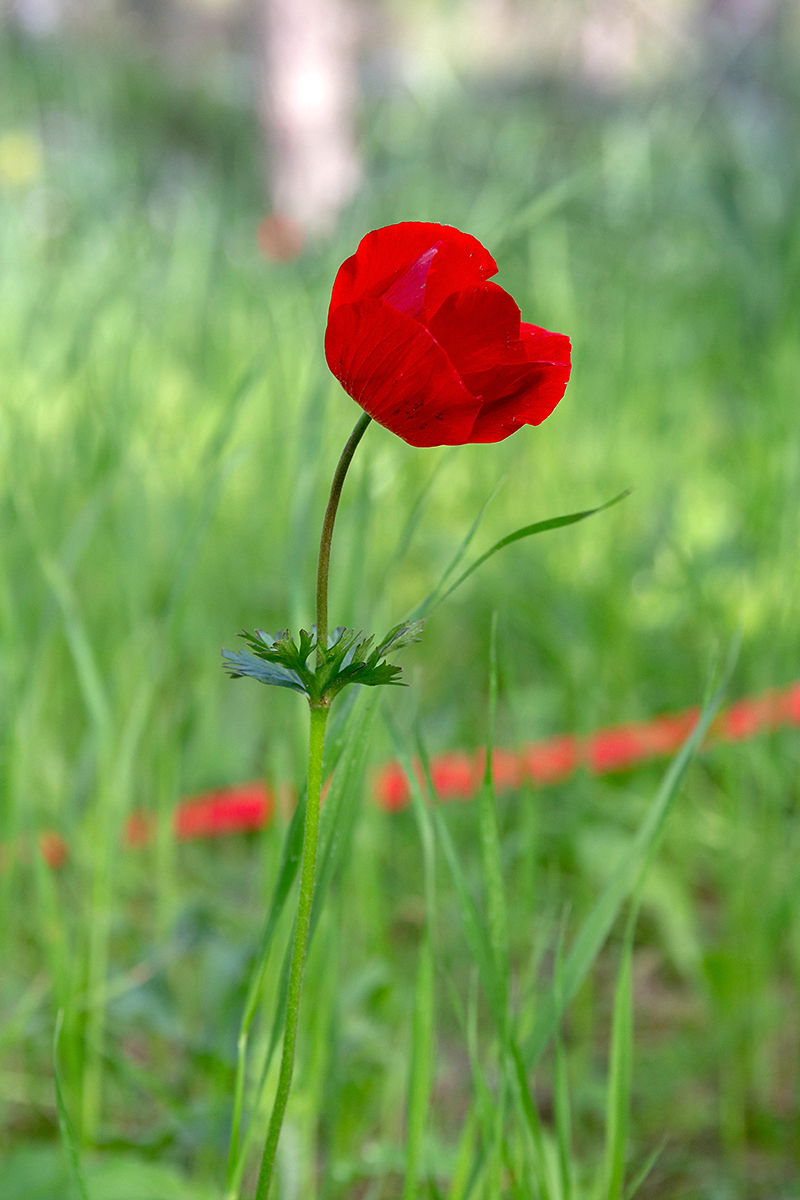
pixel 464 1158
pixel 494 983
pixel 620 1069
pixel 561 1100
pixel 290 860
pixel 421 1072
pixel 490 840
pixel 428 603
pixel 341 803
pixel 596 927
pixel 64 1120
pixel 645 1170
pixel 474 926
pixel 527 531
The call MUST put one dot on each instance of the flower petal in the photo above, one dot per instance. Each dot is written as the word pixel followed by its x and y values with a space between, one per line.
pixel 392 366
pixel 384 255
pixel 479 327
pixel 525 393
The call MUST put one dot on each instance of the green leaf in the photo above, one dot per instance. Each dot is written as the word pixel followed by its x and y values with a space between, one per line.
pixel 401 636
pixel 239 663
pixel 526 531
pixel 426 604
pixel 347 658
pixel 64 1120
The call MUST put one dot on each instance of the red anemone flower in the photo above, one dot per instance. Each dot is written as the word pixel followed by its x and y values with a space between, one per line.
pixel 430 349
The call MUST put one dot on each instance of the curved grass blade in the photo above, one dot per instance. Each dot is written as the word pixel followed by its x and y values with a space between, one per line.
pixel 433 601
pixel 649 1163
pixel 428 602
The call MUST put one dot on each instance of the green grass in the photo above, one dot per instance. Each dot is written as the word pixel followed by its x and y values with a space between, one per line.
pixel 168 434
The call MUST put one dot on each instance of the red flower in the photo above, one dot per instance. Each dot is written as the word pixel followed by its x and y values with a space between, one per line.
pixel 432 351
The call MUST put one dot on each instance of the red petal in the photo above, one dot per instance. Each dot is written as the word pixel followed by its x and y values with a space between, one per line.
pixel 407 293
pixel 479 327
pixel 384 255
pixel 398 373
pixel 521 393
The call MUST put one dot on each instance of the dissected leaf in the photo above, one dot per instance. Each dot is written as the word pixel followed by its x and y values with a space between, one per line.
pixel 239 663
pixel 348 658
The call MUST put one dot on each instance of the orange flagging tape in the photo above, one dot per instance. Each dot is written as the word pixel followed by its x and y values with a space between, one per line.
pixel 457 775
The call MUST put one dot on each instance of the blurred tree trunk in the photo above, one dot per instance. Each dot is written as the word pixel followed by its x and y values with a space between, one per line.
pixel 307 100
pixel 38 17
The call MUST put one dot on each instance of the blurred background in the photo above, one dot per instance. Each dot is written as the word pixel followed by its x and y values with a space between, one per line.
pixel 179 182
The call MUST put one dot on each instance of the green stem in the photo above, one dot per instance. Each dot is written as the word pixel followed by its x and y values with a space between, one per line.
pixel 319 716
pixel 327 532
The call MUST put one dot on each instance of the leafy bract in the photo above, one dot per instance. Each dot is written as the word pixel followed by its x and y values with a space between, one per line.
pixel 280 661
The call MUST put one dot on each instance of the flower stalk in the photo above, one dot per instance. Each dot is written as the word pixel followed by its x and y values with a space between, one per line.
pixel 323 562
pixel 319 715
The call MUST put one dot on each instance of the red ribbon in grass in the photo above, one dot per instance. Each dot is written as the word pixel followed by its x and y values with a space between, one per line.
pixel 457 775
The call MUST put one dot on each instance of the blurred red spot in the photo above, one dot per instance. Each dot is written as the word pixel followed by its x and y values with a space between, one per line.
pixel 666 734
pixel 551 761
pixel 455 775
pixel 506 769
pixel 748 716
pixel 280 239
pixel 391 787
pixel 619 748
pixel 790 704
pixel 53 849
pixel 140 828
pixel 230 810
